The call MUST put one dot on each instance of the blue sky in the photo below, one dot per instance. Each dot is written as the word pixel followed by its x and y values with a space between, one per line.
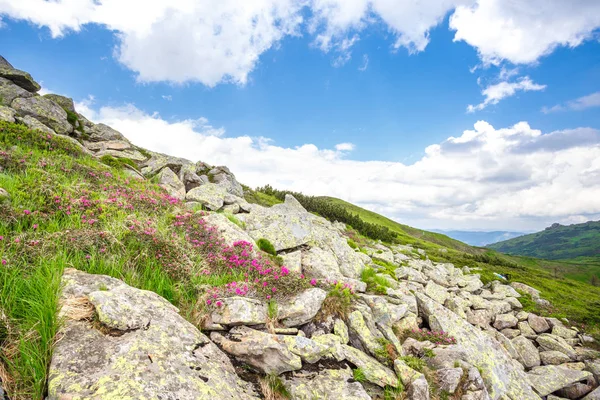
pixel 384 85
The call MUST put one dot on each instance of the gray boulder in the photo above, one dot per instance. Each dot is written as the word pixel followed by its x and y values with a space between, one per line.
pixel 222 176
pixel 104 133
pixel 18 77
pixel 449 378
pixel 528 353
pixel 553 357
pixel 549 378
pixel 240 311
pixel 261 350
pixel 595 395
pixel 327 384
pixel 228 231
pixel 301 308
pixel 373 370
pixel 538 324
pixel 169 181
pixel 45 111
pixel 160 355
pixel 7 114
pixel 503 321
pixel 209 195
pixel 9 91
pixel 65 102
pixel 548 341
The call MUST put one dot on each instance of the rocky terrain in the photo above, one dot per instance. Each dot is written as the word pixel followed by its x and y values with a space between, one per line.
pixel 314 319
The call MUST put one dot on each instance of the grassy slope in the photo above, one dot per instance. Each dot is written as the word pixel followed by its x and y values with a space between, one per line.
pixel 405 233
pixel 69 210
pixel 578 242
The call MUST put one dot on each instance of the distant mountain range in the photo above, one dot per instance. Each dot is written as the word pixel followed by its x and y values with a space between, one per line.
pixel 557 242
pixel 475 238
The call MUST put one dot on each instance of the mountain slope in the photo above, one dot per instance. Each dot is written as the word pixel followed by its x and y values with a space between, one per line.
pixel 476 238
pixel 407 234
pixel 558 242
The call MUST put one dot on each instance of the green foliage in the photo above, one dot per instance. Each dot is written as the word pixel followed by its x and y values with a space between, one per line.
pixel 428 353
pixel 266 246
pixel 352 244
pixel 386 352
pixel 235 220
pixel 394 393
pixel 359 375
pixel 337 303
pixel 118 163
pixel 276 386
pixel 334 212
pixel 375 283
pixel 272 309
pixel 414 362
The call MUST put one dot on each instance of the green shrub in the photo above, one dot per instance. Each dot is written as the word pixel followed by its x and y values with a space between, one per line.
pixel 118 163
pixel 359 375
pixel 394 393
pixel 235 220
pixel 266 246
pixel 352 244
pixel 273 388
pixel 414 362
pixel 337 303
pixel 375 283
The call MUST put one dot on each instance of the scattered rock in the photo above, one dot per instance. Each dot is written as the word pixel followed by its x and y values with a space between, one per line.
pixel 261 350
pixel 341 329
pixel 548 341
pixel 9 91
pixel 308 350
pixel 229 231
pixel 538 324
pixel 449 378
pixel 65 102
pixel 553 357
pixel 505 321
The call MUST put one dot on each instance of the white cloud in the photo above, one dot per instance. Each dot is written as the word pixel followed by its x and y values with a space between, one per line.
pixel 214 42
pixel 494 93
pixel 167 97
pixel 511 178
pixel 523 31
pixel 365 63
pixel 581 103
pixel 344 146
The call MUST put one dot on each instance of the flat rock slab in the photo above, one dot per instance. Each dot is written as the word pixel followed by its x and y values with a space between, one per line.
pixel 166 358
pixel 334 384
pixel 550 378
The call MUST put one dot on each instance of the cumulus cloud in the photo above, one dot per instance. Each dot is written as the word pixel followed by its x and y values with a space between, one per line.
pixel 581 103
pixel 494 93
pixel 523 31
pixel 486 178
pixel 214 42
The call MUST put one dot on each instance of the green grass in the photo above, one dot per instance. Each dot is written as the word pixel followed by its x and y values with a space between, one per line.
pixel 406 234
pixel 266 246
pixel 256 197
pixel 359 375
pixel 41 236
pixel 375 283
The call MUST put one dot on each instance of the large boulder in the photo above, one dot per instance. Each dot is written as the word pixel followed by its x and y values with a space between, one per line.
pixel 548 341
pixel 549 378
pixel 228 230
pixel 158 161
pixel 209 195
pixel 65 102
pixel 327 384
pixel 104 133
pixel 500 375
pixel 268 353
pixel 158 355
pixel 169 181
pixel 9 91
pixel 538 324
pixel 222 176
pixel 18 77
pixel 45 111
pixel 301 308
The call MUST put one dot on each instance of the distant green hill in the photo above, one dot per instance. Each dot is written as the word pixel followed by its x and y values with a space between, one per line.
pixel 573 242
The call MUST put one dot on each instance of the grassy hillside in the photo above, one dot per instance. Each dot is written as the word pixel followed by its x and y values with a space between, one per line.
pixel 579 242
pixel 406 234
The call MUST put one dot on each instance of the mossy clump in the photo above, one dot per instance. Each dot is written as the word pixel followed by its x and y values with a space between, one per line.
pixel 266 246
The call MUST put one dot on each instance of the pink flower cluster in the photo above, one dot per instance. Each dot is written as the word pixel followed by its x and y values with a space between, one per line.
pixel 260 275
